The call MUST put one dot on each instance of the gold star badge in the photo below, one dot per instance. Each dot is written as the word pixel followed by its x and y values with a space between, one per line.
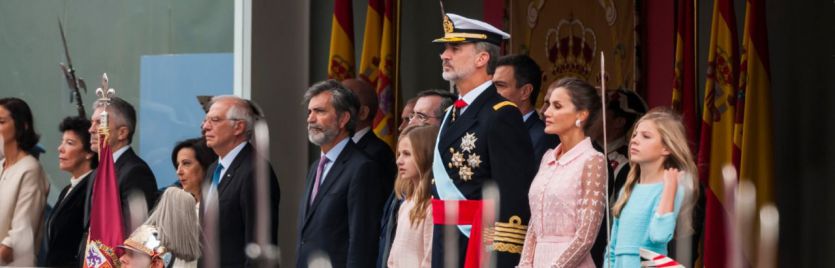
pixel 457 159
pixel 474 160
pixel 468 142
pixel 465 173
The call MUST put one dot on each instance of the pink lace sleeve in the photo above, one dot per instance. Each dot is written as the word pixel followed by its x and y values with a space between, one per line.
pixel 526 260
pixel 590 208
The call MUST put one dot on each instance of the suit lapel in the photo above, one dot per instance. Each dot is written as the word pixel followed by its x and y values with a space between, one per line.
pixel 240 159
pixel 121 162
pixel 308 189
pixel 333 174
pixel 532 120
pixel 363 142
pixel 58 205
pixel 65 197
pixel 456 129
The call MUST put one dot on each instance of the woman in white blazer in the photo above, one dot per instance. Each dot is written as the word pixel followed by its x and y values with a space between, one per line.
pixel 23 186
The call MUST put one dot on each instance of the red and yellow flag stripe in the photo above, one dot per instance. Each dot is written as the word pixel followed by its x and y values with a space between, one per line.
pixel 370 59
pixel 384 125
pixel 341 59
pixel 717 128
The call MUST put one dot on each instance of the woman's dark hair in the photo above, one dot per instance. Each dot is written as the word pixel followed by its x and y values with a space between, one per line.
pixel 584 97
pixel 23 122
pixel 80 126
pixel 205 156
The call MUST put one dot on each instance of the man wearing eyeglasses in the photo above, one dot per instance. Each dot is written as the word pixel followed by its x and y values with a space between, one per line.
pixel 430 106
pixel 228 128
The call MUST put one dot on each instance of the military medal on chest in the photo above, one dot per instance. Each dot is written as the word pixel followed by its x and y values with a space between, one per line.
pixel 466 160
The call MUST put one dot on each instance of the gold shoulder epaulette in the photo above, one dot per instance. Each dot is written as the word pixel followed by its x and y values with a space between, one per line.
pixel 502 104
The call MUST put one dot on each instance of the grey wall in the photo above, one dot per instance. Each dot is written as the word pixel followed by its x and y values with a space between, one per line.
pixel 103 36
pixel 279 79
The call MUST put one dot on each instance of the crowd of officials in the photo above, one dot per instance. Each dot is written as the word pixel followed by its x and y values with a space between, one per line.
pixel 366 204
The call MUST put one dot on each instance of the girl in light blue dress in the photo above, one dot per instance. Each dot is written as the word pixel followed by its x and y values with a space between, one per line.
pixel 659 193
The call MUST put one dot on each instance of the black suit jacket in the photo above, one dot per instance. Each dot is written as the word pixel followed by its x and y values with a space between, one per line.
pixel 381 153
pixel 541 141
pixel 65 226
pixel 343 221
pixel 506 159
pixel 388 229
pixel 237 207
pixel 132 175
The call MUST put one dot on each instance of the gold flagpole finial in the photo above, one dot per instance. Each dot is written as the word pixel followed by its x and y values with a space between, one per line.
pixel 105 93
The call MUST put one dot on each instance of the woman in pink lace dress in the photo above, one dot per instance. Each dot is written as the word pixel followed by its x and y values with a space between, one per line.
pixel 567 196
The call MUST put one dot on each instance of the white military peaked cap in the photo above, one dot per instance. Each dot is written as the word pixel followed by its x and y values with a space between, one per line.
pixel 461 29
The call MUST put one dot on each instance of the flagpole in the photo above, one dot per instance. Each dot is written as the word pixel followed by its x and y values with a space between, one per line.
pixel 396 85
pixel 695 62
pixel 605 138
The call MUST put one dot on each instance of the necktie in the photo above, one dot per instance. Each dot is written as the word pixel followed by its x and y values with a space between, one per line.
pixel 216 175
pixel 319 170
pixel 213 188
pixel 460 104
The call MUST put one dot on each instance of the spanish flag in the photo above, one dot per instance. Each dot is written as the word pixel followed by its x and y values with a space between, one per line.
pixel 384 125
pixel 106 228
pixel 716 142
pixel 370 59
pixel 754 134
pixel 684 83
pixel 341 59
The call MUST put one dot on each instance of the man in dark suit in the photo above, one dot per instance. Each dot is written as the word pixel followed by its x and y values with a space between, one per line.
pixel 482 144
pixel 132 173
pixel 340 212
pixel 364 137
pixel 65 225
pixel 430 107
pixel 518 79
pixel 229 202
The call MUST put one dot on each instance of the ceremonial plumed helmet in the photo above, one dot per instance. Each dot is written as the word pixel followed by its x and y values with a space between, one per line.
pixel 146 240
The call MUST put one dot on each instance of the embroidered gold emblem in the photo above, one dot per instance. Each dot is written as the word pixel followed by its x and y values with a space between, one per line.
pixel 508 248
pixel 509 236
pixel 465 160
pixel 465 173
pixel 468 142
pixel 474 160
pixel 448 27
pixel 457 159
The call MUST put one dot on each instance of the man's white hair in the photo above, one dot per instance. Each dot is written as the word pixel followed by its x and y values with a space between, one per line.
pixel 241 109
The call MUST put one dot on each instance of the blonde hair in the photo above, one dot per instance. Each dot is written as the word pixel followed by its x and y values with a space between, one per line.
pixel 673 138
pixel 422 138
pixel 176 220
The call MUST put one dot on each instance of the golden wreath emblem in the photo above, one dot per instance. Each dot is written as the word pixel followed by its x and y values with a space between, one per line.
pixel 448 27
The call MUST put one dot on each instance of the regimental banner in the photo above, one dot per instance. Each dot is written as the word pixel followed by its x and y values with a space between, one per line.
pixel 106 227
pixel 566 37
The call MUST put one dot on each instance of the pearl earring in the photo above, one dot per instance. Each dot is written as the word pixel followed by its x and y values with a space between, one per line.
pixel 578 123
